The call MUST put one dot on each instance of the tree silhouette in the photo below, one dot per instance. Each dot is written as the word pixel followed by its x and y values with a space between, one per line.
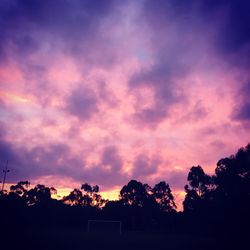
pixel 233 182
pixel 90 189
pixel 89 197
pixel 21 188
pixel 75 198
pixel 134 194
pixel 198 188
pixel 198 180
pixel 233 174
pixel 40 194
pixel 164 197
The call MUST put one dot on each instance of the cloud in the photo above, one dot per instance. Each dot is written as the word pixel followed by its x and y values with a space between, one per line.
pixel 242 109
pixel 30 27
pixel 111 158
pixel 144 166
pixel 82 103
pixel 177 179
pixel 196 113
pixel 235 33
pixel 244 113
pixel 232 19
pixel 159 81
pixel 39 161
pixel 58 161
pixel 107 171
pixel 180 48
pixel 7 152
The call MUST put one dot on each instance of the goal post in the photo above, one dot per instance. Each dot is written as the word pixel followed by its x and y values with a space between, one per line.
pixel 104 226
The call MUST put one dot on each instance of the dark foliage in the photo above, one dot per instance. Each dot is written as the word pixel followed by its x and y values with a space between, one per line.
pixel 220 204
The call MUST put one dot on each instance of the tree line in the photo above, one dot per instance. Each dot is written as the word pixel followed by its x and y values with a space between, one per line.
pixel 213 204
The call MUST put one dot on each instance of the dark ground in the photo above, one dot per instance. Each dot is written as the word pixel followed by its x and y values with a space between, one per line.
pixel 75 238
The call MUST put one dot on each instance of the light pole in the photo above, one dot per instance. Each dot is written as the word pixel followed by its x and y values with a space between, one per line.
pixel 5 171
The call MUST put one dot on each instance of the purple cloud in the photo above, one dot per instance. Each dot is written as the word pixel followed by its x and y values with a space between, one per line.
pixel 144 166
pixel 57 160
pixel 165 96
pixel 177 179
pixel 110 157
pixel 82 103
pixel 74 27
pixel 235 33
pixel 179 46
pixel 242 110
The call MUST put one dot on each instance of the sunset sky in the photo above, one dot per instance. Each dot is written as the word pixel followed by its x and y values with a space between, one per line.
pixel 104 91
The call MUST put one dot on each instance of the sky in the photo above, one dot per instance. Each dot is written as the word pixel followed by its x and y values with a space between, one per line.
pixel 108 91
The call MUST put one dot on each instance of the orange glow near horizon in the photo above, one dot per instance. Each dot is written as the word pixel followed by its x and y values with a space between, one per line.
pixel 110 195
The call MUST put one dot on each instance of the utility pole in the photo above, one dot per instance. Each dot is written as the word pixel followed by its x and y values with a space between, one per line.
pixel 5 171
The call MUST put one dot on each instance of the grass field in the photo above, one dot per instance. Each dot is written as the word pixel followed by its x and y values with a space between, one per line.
pixel 77 239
